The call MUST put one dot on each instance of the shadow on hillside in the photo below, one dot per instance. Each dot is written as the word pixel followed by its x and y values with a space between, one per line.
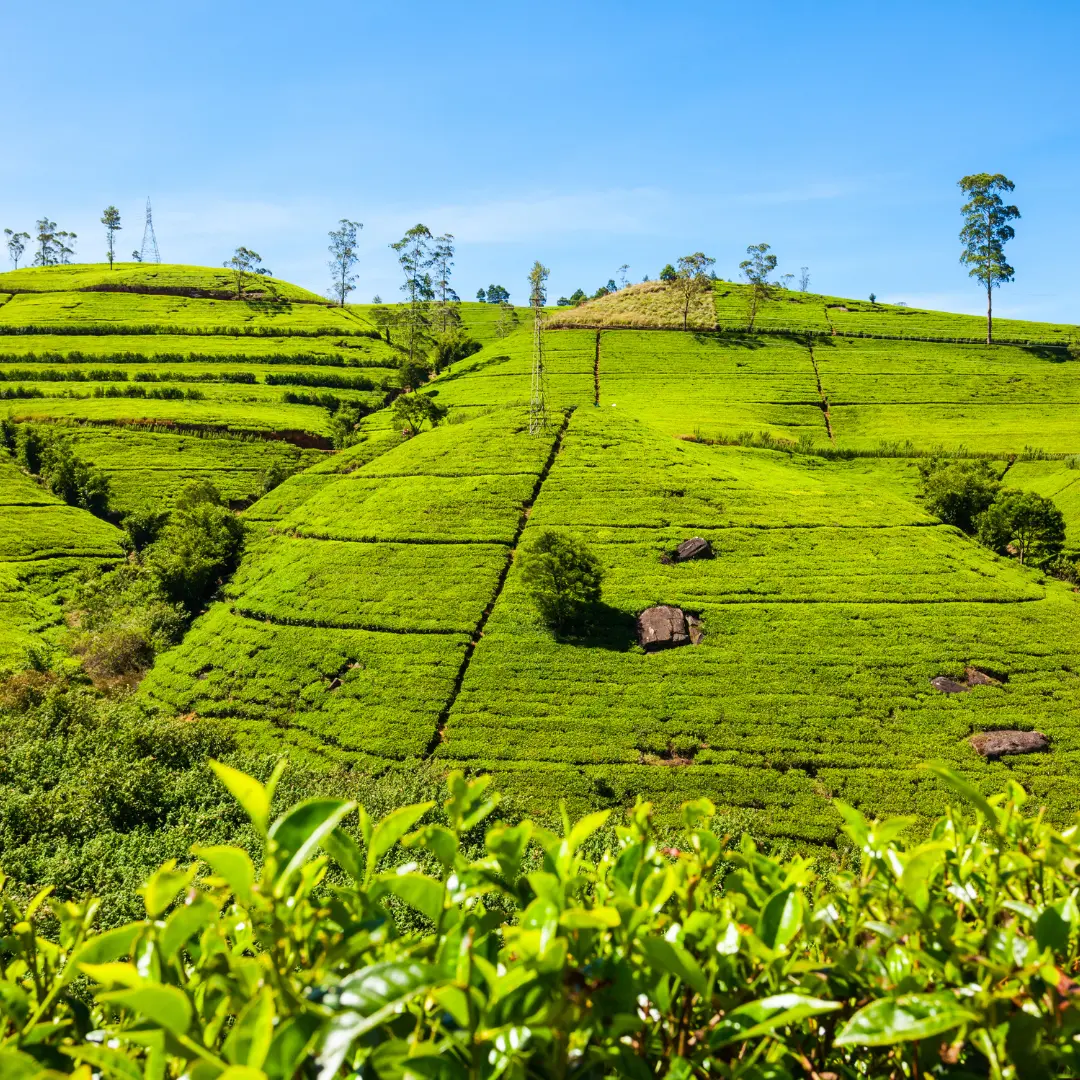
pixel 729 341
pixel 472 369
pixel 269 305
pixel 604 627
pixel 1056 354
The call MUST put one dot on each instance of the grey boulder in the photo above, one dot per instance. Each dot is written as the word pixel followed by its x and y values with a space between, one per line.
pixel 694 548
pixel 992 744
pixel 662 627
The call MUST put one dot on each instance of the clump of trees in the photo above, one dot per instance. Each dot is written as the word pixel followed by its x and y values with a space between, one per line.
pixel 178 560
pixel 969 495
pixel 52 246
pixel 494 294
pixel 563 578
pixel 47 453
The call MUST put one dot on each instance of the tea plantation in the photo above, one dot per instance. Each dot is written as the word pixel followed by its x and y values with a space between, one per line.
pixel 378 618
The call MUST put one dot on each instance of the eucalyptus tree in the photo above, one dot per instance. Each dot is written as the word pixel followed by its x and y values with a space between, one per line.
pixel 756 269
pixel 985 233
pixel 16 245
pixel 45 240
pixel 415 252
pixel 245 266
pixel 343 258
pixel 111 220
pixel 691 278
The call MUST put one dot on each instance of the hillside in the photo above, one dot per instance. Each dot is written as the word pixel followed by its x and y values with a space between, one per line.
pixel 378 617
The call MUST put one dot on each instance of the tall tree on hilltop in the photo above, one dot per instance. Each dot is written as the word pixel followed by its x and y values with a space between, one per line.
pixel 414 252
pixel 691 278
pixel 46 242
pixel 442 260
pixel 343 258
pixel 756 270
pixel 984 235
pixel 111 220
pixel 16 245
pixel 245 265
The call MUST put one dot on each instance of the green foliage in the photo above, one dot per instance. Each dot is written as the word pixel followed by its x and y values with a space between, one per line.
pixel 451 346
pixel 48 454
pixel 1028 523
pixel 412 411
pixel 413 374
pixel 949 954
pixel 958 491
pixel 198 547
pixel 563 578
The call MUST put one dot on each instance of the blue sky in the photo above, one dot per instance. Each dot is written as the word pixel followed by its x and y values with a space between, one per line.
pixel 586 135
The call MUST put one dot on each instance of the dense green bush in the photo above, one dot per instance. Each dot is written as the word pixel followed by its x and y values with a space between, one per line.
pixel 562 576
pixel 1024 521
pixel 958 491
pixel 949 956
pixel 49 455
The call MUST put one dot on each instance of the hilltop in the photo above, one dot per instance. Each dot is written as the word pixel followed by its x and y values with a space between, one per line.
pixel 378 619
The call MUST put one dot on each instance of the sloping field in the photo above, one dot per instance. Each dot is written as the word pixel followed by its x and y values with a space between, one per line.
pixel 378 616
pixel 43 545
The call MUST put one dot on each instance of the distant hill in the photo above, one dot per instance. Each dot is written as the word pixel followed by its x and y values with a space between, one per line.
pixel 378 617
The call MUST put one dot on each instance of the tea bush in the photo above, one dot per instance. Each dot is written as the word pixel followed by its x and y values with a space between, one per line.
pixel 949 955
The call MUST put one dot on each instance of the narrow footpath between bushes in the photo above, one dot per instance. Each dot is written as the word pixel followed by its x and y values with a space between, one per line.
pixel 478 632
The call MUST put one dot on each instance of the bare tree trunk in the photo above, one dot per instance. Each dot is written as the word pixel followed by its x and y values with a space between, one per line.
pixel 989 312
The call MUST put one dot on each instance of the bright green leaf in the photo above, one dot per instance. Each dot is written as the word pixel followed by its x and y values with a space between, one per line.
pixel 911 1016
pixel 298 832
pixel 247 791
pixel 165 1006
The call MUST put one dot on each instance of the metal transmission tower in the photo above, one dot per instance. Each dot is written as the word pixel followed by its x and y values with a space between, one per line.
pixel 538 416
pixel 149 251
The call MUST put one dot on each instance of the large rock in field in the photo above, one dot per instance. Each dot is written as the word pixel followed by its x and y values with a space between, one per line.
pixel 992 744
pixel 662 627
pixel 946 685
pixel 694 548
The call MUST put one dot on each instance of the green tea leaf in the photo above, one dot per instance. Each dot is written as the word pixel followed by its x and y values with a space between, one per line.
pixel 781 918
pixel 233 865
pixel 247 791
pixel 901 1019
pixel 391 829
pixel 296 834
pixel 672 959
pixel 418 891
pixel 165 1006
pixel 249 1039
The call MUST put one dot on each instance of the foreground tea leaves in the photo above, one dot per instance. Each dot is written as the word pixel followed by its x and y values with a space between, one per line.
pixel 413 957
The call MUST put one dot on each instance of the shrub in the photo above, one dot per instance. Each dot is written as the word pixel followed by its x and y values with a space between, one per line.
pixel 412 411
pixel 452 346
pixel 957 492
pixel 563 578
pixel 946 958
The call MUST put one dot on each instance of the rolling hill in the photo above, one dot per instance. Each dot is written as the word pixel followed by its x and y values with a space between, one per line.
pixel 378 617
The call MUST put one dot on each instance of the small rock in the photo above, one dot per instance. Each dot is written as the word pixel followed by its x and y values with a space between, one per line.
pixel 949 686
pixel 976 677
pixel 993 744
pixel 334 685
pixel 695 628
pixel 694 548
pixel 662 627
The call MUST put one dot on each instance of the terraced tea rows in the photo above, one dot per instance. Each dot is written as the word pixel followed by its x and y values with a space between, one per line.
pixel 379 617
pixel 345 631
